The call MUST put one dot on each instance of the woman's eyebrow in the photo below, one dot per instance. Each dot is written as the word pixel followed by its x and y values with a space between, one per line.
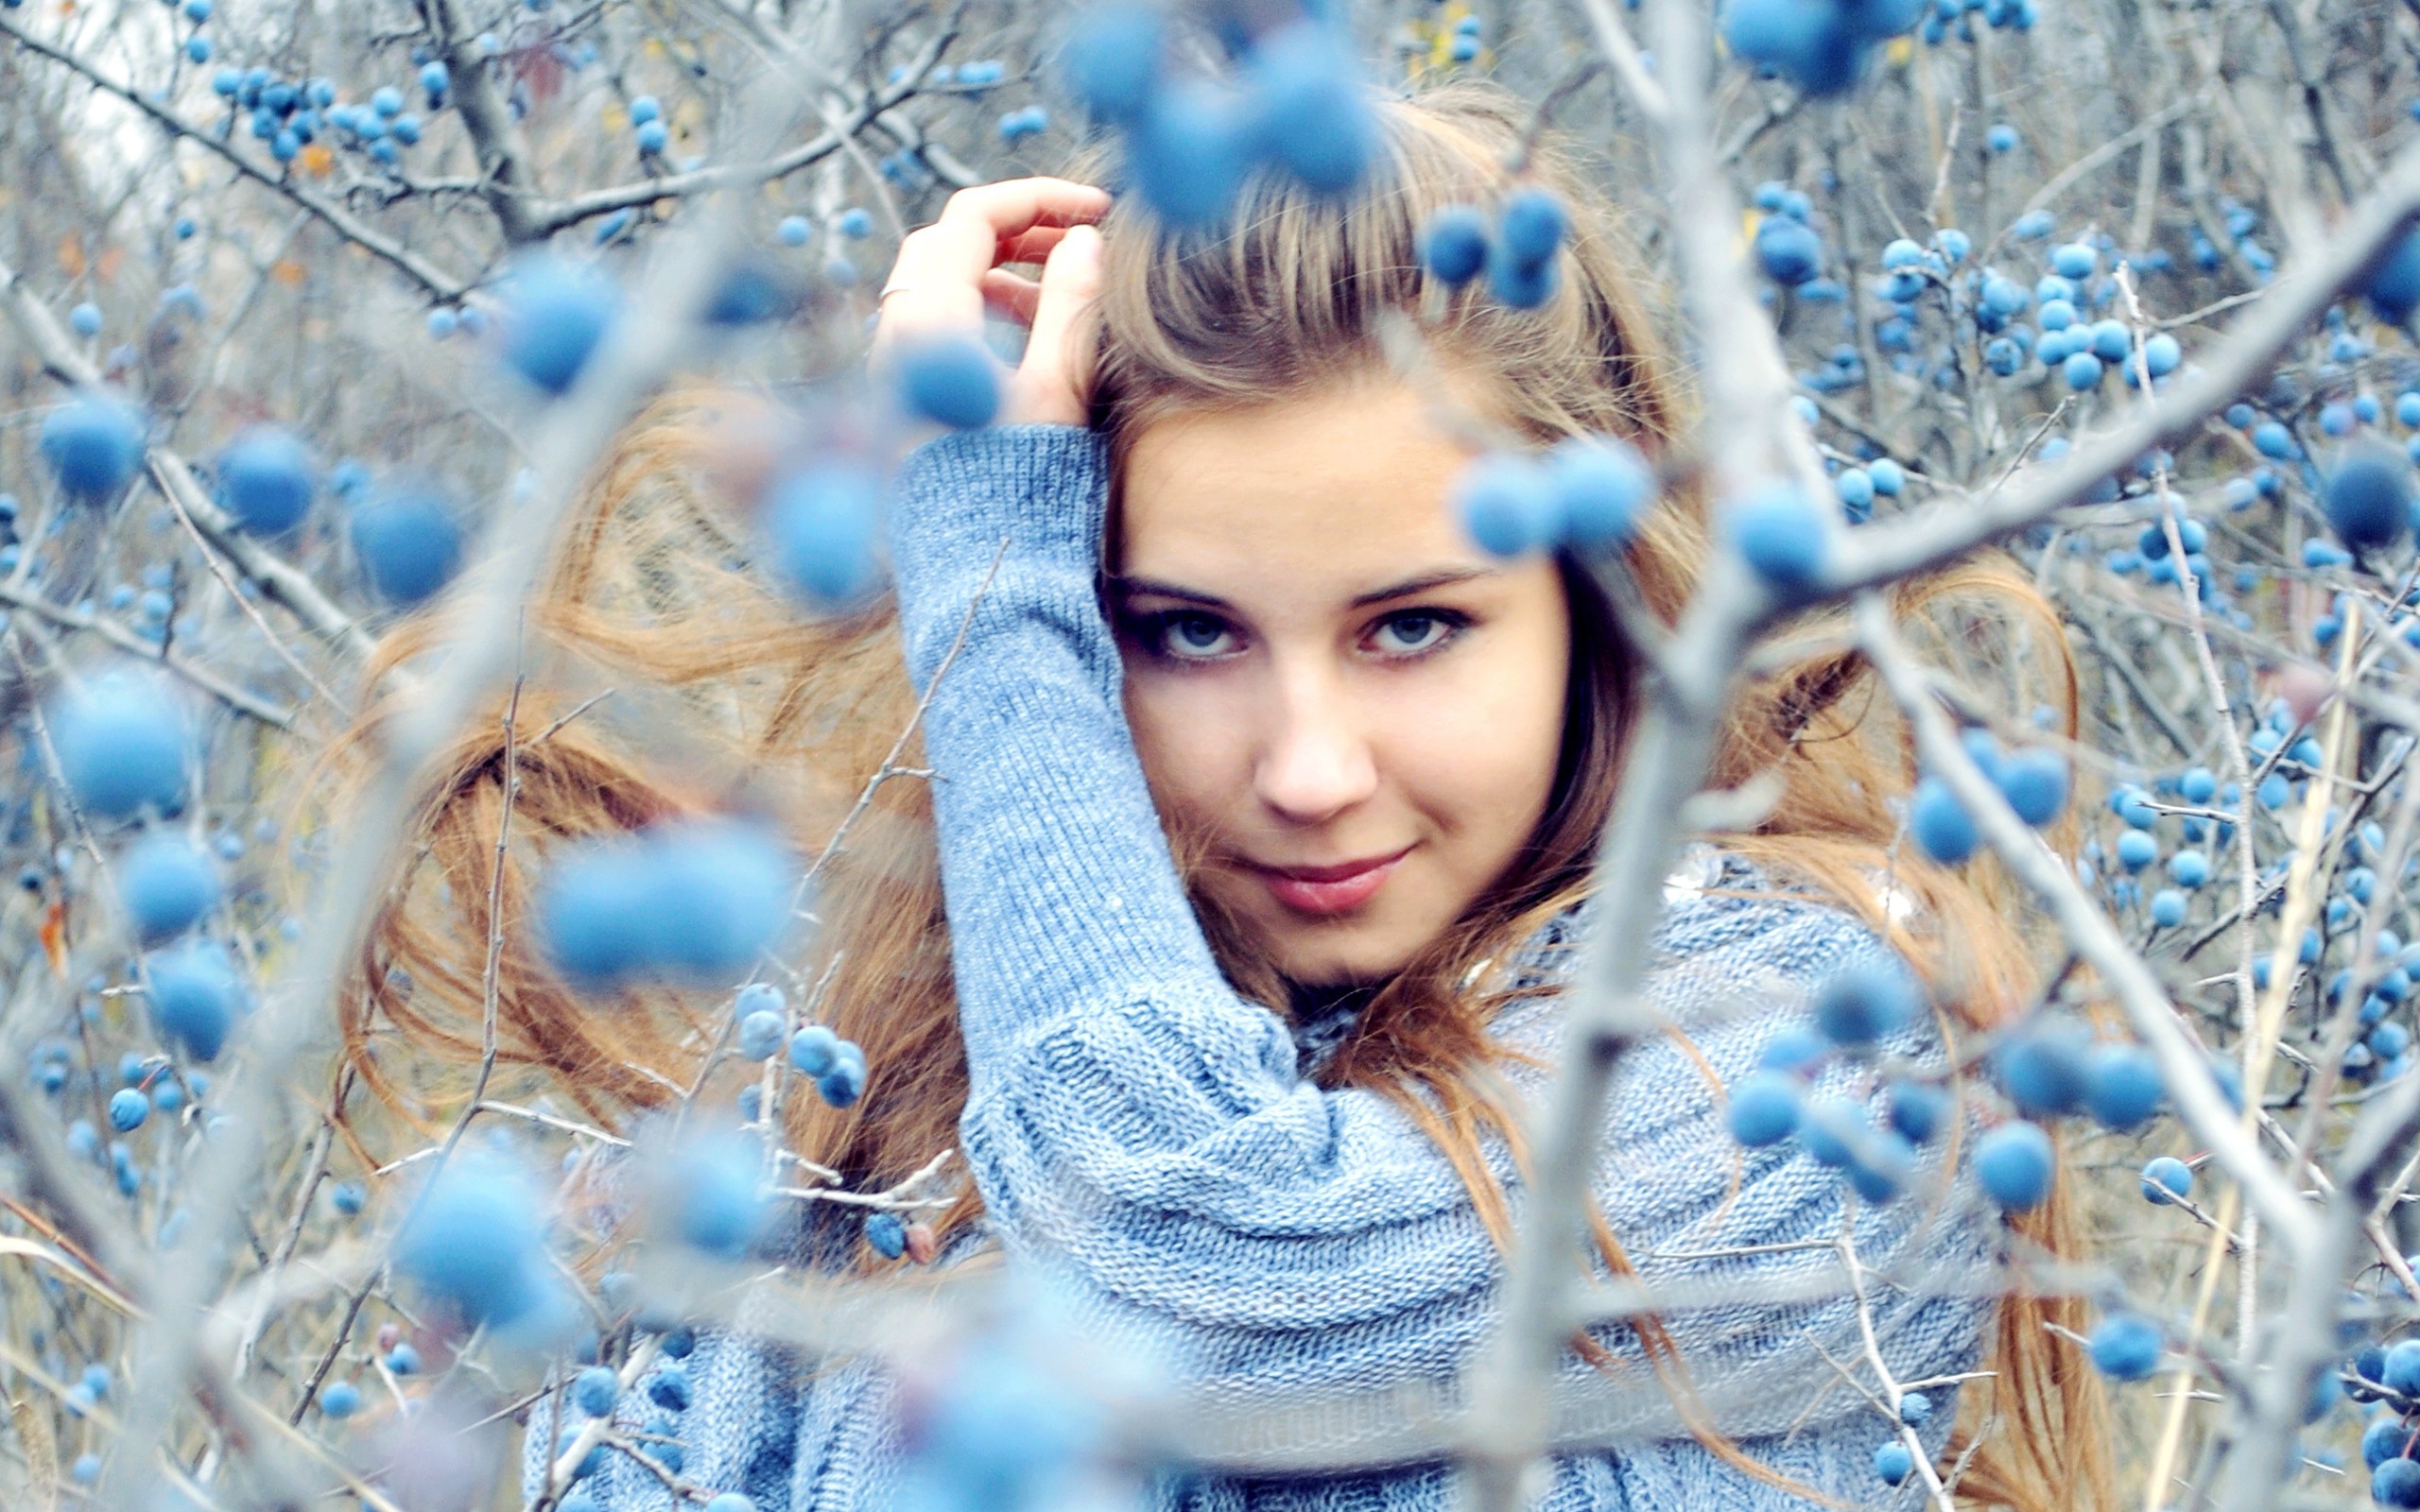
pixel 1440 577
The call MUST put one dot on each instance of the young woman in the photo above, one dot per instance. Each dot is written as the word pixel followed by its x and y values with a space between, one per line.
pixel 1226 941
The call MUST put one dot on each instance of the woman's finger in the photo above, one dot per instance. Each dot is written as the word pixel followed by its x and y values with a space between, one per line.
pixel 1013 295
pixel 981 228
pixel 1031 246
pixel 1054 381
pixel 937 280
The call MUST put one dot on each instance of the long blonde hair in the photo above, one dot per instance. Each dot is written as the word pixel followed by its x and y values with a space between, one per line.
pixel 651 596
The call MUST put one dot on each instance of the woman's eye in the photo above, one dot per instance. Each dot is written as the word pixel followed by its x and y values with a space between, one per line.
pixel 1191 634
pixel 1415 630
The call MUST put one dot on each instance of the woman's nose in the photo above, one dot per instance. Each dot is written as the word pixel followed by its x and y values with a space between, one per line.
pixel 1317 760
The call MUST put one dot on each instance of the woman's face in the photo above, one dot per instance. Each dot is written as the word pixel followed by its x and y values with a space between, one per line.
pixel 1359 707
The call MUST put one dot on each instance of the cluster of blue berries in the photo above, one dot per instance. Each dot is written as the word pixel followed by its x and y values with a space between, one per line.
pixel 837 1066
pixel 660 1394
pixel 683 901
pixel 2033 779
pixel 1298 105
pixel 475 1241
pixel 1517 252
pixel 2078 342
pixel 290 115
pixel 407 537
pixel 1820 46
pixel 1585 492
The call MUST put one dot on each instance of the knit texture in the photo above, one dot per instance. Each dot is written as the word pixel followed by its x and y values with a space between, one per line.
pixel 1303 1262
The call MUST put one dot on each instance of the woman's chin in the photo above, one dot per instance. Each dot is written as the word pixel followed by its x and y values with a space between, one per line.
pixel 1333 955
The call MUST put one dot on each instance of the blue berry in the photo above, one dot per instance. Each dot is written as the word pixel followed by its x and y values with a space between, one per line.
pixel 718 1194
pixel 844 1082
pixel 1506 503
pixel 2014 1163
pixel 2385 1439
pixel 2125 1347
pixel 1601 486
pixel 1917 1109
pixel 1189 152
pixel 822 519
pixel 2392 285
pixel 475 1241
pixel 195 996
pixel 1816 46
pixel 2034 782
pixel 761 1034
pixel 409 542
pixel 341 1400
pixel 1863 1004
pixel 2122 1086
pixel 267 479
pixel 1793 1049
pixel 951 379
pixel 2167 908
pixel 2044 1065
pixel 1531 226
pixel 556 315
pixel 814 1048
pixel 1453 245
pixel 129 1108
pixel 1780 535
pixel 1830 1130
pixel 1113 59
pixel 669 1387
pixel 2368 500
pixel 1940 823
pixel 887 1234
pixel 167 885
pixel 686 901
pixel 2402 1366
pixel 1764 1108
pixel 1788 250
pixel 1519 285
pixel 1894 1462
pixel 1311 113
pixel 594 1390
pixel 92 444
pixel 2396 1482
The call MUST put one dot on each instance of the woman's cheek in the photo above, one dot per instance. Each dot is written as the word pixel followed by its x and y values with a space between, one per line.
pixel 1176 725
pixel 1501 711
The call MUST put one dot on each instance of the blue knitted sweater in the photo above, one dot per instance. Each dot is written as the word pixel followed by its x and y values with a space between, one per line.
pixel 1151 1139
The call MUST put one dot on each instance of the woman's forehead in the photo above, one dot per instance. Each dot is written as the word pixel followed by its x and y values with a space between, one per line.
pixel 1342 476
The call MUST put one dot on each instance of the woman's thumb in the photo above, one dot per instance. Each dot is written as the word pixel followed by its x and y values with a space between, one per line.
pixel 1055 374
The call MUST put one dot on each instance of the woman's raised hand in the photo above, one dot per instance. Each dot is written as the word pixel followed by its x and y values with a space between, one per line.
pixel 949 271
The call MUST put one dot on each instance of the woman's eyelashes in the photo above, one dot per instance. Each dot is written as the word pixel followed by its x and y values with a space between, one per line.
pixel 1195 637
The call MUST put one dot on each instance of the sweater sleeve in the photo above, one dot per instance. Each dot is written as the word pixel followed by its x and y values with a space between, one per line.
pixel 730 1425
pixel 1140 1126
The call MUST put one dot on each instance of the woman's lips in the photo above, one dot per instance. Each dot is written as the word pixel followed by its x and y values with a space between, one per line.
pixel 1324 891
